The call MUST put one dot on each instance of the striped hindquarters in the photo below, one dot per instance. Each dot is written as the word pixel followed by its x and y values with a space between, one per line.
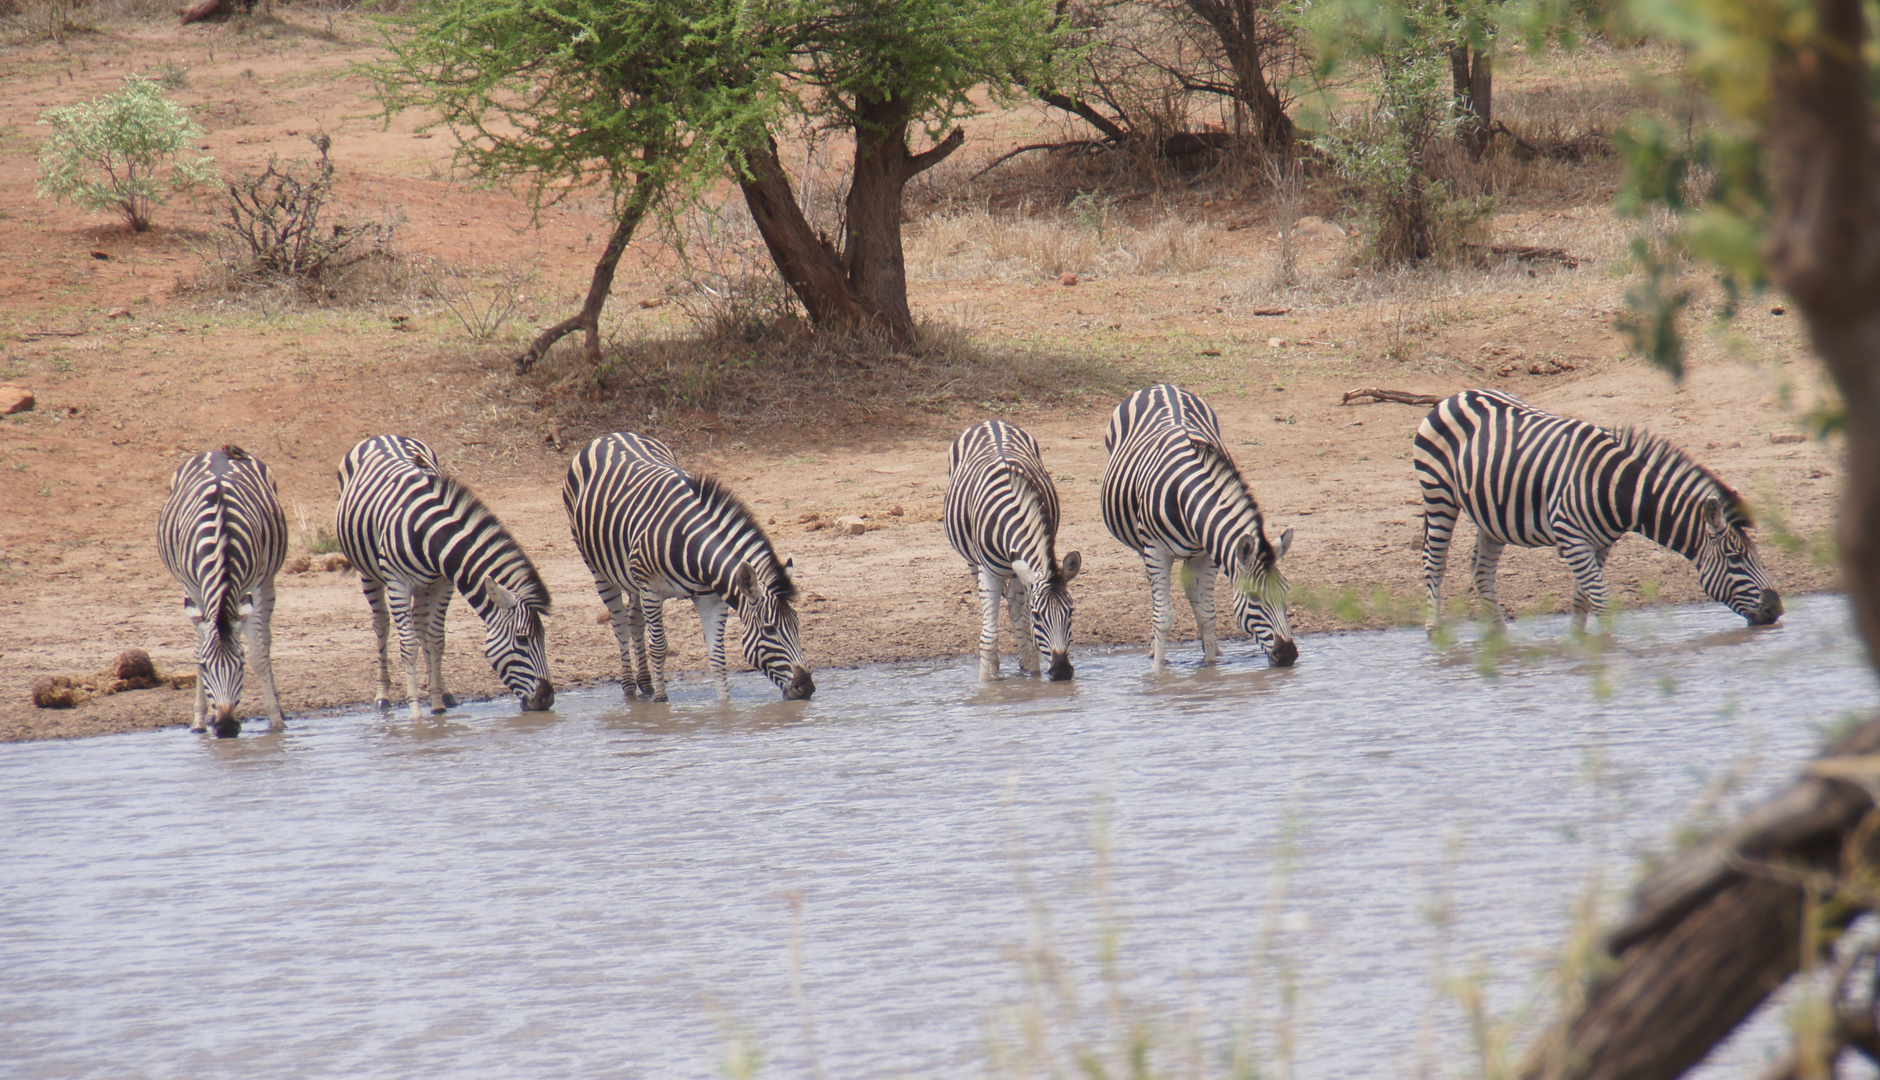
pixel 1001 504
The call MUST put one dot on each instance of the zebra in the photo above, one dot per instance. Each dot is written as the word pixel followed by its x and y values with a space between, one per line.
pixel 649 533
pixel 1002 517
pixel 223 536
pixel 1172 491
pixel 1533 479
pixel 414 534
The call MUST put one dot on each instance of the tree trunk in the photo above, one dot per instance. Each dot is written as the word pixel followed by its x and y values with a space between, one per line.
pixel 811 267
pixel 588 319
pixel 1473 74
pixel 866 285
pixel 1238 25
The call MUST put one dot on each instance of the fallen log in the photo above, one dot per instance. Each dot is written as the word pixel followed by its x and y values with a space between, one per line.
pixel 1401 397
pixel 1715 931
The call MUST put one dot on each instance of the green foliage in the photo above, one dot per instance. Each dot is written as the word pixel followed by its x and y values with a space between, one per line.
pixel 564 94
pixel 1384 153
pixel 125 151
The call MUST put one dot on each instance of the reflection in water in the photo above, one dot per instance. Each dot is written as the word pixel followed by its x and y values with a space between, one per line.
pixel 600 890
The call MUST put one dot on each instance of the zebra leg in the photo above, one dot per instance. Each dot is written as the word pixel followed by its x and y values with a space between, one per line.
pixel 652 611
pixel 202 703
pixel 1439 527
pixel 1589 581
pixel 1159 564
pixel 711 618
pixel 433 606
pixel 1198 584
pixel 1018 606
pixel 628 631
pixel 405 621
pixel 261 649
pixel 991 588
pixel 382 626
pixel 1487 560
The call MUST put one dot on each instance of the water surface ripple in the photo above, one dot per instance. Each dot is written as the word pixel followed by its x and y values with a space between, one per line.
pixel 604 891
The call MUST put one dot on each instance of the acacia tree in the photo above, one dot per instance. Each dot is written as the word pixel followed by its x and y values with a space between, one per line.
pixel 877 70
pixel 635 97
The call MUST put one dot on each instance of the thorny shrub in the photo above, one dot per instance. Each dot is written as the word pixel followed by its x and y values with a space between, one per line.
pixel 272 220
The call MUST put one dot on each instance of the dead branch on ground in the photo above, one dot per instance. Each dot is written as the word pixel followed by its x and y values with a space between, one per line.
pixel 1401 397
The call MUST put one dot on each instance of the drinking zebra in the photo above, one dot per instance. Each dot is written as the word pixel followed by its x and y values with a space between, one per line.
pixel 414 534
pixel 1002 517
pixel 1172 491
pixel 1534 479
pixel 649 533
pixel 222 534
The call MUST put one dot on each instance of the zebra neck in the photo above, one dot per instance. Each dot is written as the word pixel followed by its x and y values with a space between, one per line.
pixel 1658 499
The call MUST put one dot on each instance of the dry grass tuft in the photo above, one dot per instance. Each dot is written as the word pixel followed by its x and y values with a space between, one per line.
pixel 789 378
pixel 977 245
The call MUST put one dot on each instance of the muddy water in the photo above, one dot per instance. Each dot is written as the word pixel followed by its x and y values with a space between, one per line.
pixel 606 891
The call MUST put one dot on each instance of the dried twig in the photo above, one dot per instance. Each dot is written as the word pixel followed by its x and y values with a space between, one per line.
pixel 1402 397
pixel 1084 144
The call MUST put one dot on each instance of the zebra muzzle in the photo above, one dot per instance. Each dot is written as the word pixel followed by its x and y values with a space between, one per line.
pixel 543 698
pixel 1769 610
pixel 227 724
pixel 1284 653
pixel 801 685
pixel 1061 669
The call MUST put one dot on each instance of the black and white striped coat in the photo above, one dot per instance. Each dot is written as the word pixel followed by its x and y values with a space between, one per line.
pixel 1002 517
pixel 1172 491
pixel 415 534
pixel 1533 479
pixel 650 533
pixel 223 536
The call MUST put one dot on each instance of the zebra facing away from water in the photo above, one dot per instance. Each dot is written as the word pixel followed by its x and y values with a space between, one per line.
pixel 1533 479
pixel 222 534
pixel 1002 517
pixel 414 534
pixel 650 533
pixel 1172 491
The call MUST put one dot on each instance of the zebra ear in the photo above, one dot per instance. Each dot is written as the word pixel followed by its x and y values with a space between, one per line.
pixel 742 583
pixel 1070 565
pixel 498 595
pixel 1285 543
pixel 1246 556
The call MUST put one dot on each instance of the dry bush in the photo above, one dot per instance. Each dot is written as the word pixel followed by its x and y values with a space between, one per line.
pixel 722 279
pixel 483 303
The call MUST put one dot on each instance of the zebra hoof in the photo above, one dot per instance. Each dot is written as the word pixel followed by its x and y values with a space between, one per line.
pixel 384 704
pixel 450 702
pixel 659 697
pixel 439 710
pixel 199 727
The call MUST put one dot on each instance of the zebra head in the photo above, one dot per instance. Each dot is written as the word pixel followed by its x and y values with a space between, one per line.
pixel 1260 594
pixel 1051 611
pixel 1727 566
pixel 513 640
pixel 764 608
pixel 220 663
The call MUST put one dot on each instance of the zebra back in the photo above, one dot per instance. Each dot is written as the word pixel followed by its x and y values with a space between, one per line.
pixel 1171 481
pixel 1523 473
pixel 221 532
pixel 402 517
pixel 629 502
pixel 1001 504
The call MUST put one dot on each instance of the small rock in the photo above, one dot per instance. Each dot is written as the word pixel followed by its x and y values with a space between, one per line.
pixel 651 303
pixel 1788 437
pixel 854 526
pixel 1274 343
pixel 1067 278
pixel 182 681
pixel 299 564
pixel 15 399
pixel 897 510
pixel 1313 225
pixel 119 313
pixel 1778 311
pixel 1507 369
pixel 604 617
pixel 134 665
pixel 101 255
pixel 335 561
pixel 59 692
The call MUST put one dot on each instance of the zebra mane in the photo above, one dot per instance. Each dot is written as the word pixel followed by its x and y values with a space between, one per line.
pixel 518 572
pixel 1220 464
pixel 1653 450
pixel 1026 479
pixel 719 498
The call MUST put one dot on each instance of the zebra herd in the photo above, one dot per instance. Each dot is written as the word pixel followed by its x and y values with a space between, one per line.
pixel 649 532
